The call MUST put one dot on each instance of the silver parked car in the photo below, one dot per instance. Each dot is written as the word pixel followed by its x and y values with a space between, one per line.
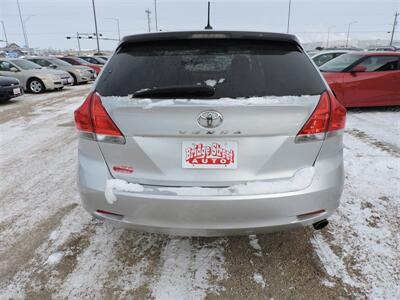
pixel 33 77
pixel 79 74
pixel 211 133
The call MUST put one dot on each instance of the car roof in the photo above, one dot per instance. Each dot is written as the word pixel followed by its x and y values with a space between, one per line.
pixel 386 53
pixel 38 56
pixel 332 51
pixel 211 34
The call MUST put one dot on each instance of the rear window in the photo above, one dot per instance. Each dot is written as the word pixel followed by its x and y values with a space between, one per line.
pixel 234 68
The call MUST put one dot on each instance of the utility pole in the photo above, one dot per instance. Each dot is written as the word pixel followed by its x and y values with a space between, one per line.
pixel 288 18
pixel 348 32
pixel 148 12
pixel 79 43
pixel 394 27
pixel 95 26
pixel 4 31
pixel 155 14
pixel 23 27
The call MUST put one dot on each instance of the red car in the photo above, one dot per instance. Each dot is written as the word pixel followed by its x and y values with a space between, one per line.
pixel 365 78
pixel 78 61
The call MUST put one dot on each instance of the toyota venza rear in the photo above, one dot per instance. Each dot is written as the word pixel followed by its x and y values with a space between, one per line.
pixel 211 133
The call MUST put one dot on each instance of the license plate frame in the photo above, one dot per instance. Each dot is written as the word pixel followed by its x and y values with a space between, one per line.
pixel 209 154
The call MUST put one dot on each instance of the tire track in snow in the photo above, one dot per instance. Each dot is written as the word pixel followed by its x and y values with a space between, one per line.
pixel 361 244
pixel 38 279
pixel 28 103
pixel 386 147
pixel 22 250
pixel 136 256
pixel 288 267
pixel 189 269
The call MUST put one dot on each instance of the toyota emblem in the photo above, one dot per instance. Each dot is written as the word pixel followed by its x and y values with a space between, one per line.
pixel 210 119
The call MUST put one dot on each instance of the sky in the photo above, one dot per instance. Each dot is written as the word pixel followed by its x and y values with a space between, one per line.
pixel 48 22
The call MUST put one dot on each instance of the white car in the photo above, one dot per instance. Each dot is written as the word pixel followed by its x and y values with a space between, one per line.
pixel 323 57
pixel 34 78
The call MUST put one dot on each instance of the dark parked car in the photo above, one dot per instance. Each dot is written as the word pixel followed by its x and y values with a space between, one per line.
pixel 9 88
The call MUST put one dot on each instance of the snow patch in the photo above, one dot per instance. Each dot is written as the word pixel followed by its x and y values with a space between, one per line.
pixel 328 283
pixel 121 186
pixel 301 180
pixel 55 258
pixel 259 279
pixel 252 101
pixel 211 82
pixel 253 241
pixel 333 265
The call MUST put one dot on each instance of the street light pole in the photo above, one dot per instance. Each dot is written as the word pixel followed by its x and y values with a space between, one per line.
pixel 394 27
pixel 95 25
pixel 23 27
pixel 208 27
pixel 348 32
pixel 329 32
pixel 148 12
pixel 116 20
pixel 4 31
pixel 155 14
pixel 288 18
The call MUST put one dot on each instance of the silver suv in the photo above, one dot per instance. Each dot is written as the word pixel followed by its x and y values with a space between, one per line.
pixel 33 77
pixel 79 74
pixel 211 133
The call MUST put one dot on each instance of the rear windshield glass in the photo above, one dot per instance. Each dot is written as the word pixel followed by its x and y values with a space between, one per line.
pixel 340 63
pixel 234 68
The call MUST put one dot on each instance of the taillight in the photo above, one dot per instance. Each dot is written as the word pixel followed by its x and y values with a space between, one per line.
pixel 83 121
pixel 338 115
pixel 93 121
pixel 329 115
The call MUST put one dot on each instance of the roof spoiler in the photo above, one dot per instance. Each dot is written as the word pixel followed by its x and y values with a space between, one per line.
pixel 186 35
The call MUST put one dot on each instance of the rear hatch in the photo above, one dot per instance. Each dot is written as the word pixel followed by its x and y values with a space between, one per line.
pixel 209 112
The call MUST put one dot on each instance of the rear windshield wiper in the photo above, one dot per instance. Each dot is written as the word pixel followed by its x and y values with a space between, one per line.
pixel 176 91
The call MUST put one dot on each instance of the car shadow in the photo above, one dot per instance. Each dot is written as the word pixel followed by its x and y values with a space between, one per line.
pixel 374 109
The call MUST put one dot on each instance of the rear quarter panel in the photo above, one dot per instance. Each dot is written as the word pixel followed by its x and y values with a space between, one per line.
pixel 335 82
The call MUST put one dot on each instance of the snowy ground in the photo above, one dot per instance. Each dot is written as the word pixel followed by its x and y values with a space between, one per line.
pixel 49 247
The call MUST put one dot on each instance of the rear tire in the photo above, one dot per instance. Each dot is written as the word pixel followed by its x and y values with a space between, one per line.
pixel 35 86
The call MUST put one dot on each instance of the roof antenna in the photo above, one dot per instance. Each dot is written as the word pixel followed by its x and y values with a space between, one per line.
pixel 208 27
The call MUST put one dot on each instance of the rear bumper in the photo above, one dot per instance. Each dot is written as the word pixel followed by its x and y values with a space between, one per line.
pixel 8 92
pixel 53 85
pixel 211 215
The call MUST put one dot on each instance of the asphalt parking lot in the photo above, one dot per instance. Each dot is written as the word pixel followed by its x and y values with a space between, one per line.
pixel 51 248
